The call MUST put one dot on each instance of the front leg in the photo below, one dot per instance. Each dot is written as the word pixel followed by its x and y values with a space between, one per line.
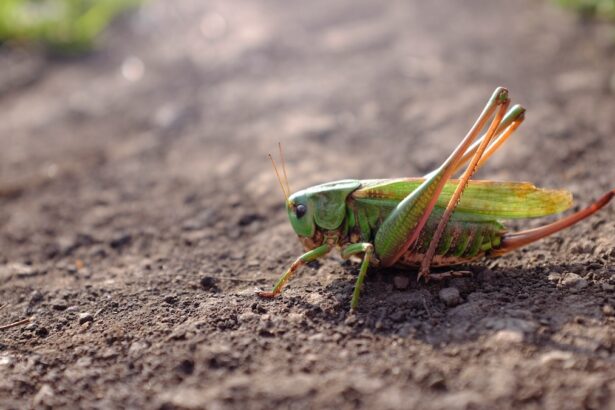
pixel 368 249
pixel 302 260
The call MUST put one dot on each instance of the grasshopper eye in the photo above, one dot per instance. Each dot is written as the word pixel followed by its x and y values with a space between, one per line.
pixel 300 210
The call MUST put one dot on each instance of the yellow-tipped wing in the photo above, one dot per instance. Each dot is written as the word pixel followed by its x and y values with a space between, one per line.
pixel 505 200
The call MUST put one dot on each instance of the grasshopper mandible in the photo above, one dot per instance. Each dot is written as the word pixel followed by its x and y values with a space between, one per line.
pixel 425 222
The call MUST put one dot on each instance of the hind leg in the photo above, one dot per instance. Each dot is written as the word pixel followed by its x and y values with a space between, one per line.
pixel 477 156
pixel 516 240
pixel 404 224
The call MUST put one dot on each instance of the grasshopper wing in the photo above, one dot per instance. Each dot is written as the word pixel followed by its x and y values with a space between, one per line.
pixel 489 199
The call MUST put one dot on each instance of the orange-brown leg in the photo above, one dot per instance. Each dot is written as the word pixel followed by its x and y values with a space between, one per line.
pixel 463 181
pixel 518 239
pixel 511 121
pixel 403 226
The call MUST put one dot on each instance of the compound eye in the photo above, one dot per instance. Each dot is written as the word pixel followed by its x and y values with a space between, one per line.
pixel 300 210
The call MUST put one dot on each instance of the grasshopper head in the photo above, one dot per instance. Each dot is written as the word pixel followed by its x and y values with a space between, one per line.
pixel 319 208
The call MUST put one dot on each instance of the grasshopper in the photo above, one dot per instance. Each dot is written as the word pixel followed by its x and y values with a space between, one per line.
pixel 426 222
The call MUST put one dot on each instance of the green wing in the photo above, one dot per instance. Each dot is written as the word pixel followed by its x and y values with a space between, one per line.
pixel 505 200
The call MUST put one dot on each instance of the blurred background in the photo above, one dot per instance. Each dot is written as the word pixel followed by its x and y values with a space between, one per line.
pixel 184 79
pixel 139 101
pixel 134 177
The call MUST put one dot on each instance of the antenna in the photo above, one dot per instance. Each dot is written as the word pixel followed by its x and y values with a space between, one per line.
pixel 275 168
pixel 284 169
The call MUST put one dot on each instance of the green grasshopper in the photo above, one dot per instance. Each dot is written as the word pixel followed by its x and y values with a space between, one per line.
pixel 425 222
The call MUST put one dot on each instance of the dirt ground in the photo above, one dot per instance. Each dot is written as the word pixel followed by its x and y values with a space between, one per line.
pixel 138 212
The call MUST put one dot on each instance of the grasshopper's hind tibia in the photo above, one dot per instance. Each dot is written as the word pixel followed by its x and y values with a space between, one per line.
pixel 516 240
pixel 505 125
pixel 402 227
pixel 509 124
pixel 463 181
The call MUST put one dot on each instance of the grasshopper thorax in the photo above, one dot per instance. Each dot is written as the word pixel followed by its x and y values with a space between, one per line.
pixel 316 211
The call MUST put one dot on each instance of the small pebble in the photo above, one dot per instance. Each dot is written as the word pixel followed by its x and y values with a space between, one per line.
pixel 137 347
pixel 554 277
pixel 572 280
pixel 59 305
pixel 608 310
pixel 120 240
pixel 19 270
pixel 5 359
pixel 507 336
pixel 450 296
pixel 605 250
pixel 436 381
pixel 209 283
pixel 247 317
pixel 35 297
pixel 170 299
pixel 401 282
pixel 351 320
pixel 249 218
pixel 294 317
pixel 108 353
pixel 42 331
pixel 42 397
pixel 85 317
pixel 186 366
pixel 582 247
pixel 556 356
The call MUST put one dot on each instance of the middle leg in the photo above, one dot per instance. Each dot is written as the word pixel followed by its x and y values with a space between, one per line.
pixel 368 249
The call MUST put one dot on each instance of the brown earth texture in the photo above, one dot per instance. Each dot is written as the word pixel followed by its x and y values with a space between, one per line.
pixel 138 212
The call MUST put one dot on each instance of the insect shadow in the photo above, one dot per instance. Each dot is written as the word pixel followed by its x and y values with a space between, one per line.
pixel 517 304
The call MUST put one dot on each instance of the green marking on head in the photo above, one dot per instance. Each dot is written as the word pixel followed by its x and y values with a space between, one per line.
pixel 322 206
